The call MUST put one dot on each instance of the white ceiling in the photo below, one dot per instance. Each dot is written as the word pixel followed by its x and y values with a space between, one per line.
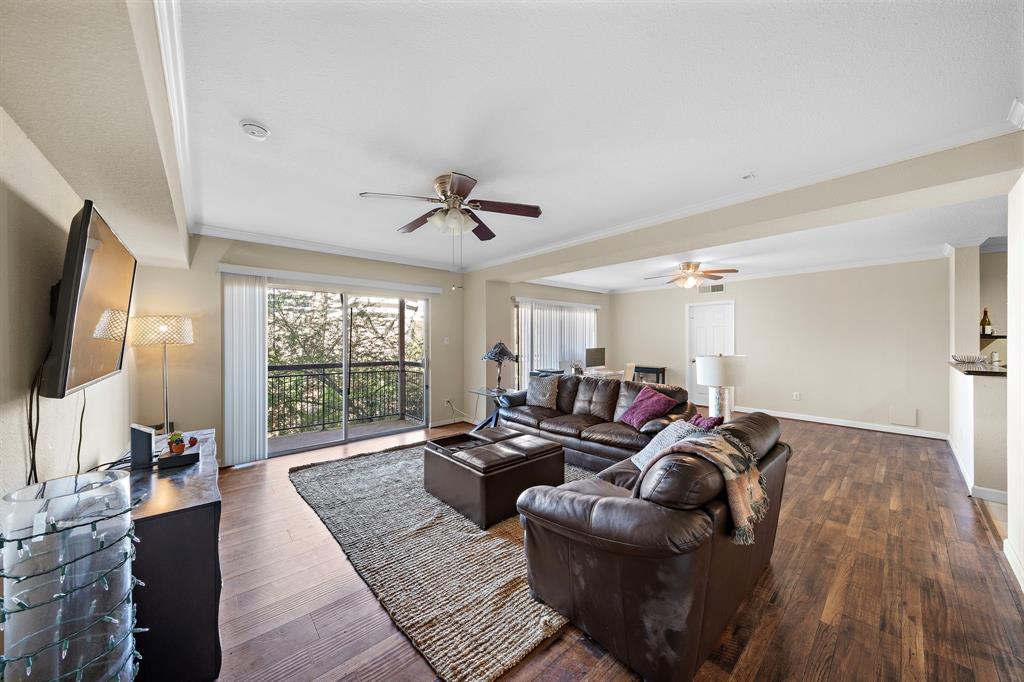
pixel 915 235
pixel 609 116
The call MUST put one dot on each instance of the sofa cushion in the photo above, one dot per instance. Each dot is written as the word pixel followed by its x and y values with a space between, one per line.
pixel 487 458
pixel 623 474
pixel 567 386
pixel 628 391
pixel 530 446
pixel 530 415
pixel 649 404
pixel 758 430
pixel 569 424
pixel 682 482
pixel 597 397
pixel 617 434
pixel 542 391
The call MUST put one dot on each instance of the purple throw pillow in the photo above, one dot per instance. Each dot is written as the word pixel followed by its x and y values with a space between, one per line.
pixel 706 423
pixel 648 404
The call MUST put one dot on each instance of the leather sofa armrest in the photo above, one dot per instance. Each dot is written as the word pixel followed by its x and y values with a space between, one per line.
pixel 655 425
pixel 512 399
pixel 623 525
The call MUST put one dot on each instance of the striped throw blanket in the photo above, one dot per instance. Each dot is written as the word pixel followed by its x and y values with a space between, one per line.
pixel 745 486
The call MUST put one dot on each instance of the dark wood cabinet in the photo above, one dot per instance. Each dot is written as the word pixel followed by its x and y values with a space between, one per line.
pixel 177 519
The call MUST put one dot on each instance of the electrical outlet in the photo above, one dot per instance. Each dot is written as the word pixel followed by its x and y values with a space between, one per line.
pixel 796 395
pixel 446 340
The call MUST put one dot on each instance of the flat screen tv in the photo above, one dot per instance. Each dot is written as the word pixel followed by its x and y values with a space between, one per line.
pixel 91 309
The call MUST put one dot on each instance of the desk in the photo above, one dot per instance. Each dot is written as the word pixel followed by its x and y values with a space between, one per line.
pixel 177 519
pixel 658 372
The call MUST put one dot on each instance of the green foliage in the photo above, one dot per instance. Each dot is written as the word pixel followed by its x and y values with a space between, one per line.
pixel 307 327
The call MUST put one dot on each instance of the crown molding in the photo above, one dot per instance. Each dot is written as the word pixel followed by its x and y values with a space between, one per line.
pixel 571 287
pixel 168 25
pixel 334 280
pixel 304 245
pixel 946 144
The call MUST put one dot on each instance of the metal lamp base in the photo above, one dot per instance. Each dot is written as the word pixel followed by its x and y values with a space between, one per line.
pixel 720 402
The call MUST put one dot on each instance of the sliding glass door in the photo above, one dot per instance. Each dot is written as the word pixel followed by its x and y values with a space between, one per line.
pixel 342 367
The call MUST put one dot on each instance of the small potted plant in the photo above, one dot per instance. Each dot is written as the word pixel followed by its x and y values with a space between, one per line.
pixel 176 442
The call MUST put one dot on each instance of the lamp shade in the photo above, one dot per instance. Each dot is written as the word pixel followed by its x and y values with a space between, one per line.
pixel 112 325
pixel 159 329
pixel 500 353
pixel 719 370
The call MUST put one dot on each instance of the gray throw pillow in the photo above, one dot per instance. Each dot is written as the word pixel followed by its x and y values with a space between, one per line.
pixel 671 434
pixel 542 391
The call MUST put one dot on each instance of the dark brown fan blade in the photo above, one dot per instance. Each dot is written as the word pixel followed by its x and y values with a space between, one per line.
pixel 419 222
pixel 482 232
pixel 461 185
pixel 504 207
pixel 707 276
pixel 720 271
pixel 378 195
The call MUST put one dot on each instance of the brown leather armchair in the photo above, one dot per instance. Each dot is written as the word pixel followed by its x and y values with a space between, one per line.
pixel 654 578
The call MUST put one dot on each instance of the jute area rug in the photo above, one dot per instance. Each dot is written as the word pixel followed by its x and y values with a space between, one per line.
pixel 459 593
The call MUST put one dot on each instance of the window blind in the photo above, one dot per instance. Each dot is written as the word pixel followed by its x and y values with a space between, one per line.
pixel 552 335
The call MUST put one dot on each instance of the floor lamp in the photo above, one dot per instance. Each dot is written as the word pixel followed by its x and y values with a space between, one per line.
pixel 720 373
pixel 165 330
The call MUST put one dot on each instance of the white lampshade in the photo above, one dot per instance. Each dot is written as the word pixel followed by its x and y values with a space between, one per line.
pixel 719 370
pixel 159 329
pixel 452 222
pixel 112 325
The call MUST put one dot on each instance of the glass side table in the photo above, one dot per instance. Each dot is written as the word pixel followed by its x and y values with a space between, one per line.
pixel 493 394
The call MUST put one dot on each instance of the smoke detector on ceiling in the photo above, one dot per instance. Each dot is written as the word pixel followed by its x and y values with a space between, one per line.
pixel 255 131
pixel 1016 115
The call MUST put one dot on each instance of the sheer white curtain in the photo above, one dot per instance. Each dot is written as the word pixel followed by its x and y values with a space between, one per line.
pixel 245 368
pixel 552 334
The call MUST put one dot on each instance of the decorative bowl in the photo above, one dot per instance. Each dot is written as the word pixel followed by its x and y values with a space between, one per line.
pixel 969 359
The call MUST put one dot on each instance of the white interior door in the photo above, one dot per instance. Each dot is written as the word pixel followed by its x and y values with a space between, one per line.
pixel 710 332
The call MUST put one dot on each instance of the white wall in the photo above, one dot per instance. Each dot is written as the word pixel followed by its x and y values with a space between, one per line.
pixel 36 208
pixel 1014 545
pixel 855 343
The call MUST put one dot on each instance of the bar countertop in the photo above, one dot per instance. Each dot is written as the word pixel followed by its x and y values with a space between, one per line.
pixel 979 369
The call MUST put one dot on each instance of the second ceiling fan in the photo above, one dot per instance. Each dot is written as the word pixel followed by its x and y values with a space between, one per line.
pixel 689 275
pixel 455 215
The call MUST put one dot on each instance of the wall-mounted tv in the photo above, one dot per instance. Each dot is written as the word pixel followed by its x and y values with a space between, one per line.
pixel 91 309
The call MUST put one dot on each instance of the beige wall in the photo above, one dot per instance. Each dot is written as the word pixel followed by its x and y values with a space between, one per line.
pixel 855 343
pixel 36 208
pixel 196 374
pixel 1015 382
pixel 993 289
pixel 491 302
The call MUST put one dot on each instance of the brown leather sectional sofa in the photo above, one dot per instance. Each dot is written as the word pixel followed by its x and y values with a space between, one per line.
pixel 647 567
pixel 585 421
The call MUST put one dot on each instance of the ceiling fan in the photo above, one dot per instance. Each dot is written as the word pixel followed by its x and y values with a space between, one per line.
pixel 455 215
pixel 689 275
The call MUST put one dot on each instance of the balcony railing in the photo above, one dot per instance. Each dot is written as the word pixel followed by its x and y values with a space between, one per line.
pixel 310 397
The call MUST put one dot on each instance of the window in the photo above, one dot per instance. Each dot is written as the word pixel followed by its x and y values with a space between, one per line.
pixel 552 335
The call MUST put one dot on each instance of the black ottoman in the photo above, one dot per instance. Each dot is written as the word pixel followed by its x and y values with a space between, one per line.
pixel 482 474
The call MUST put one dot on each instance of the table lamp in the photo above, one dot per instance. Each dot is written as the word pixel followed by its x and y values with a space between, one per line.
pixel 720 373
pixel 500 353
pixel 165 330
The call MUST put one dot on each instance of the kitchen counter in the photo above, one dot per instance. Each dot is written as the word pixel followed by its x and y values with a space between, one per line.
pixel 979 370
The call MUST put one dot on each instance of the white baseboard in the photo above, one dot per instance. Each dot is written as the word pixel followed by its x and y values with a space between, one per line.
pixel 1014 559
pixel 868 426
pixel 990 494
pixel 445 422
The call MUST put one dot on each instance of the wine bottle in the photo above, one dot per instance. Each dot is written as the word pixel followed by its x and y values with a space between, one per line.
pixel 986 324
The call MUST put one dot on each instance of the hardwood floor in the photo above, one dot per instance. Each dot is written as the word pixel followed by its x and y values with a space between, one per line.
pixel 884 568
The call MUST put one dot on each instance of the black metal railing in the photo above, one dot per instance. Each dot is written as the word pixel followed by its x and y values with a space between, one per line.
pixel 310 397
